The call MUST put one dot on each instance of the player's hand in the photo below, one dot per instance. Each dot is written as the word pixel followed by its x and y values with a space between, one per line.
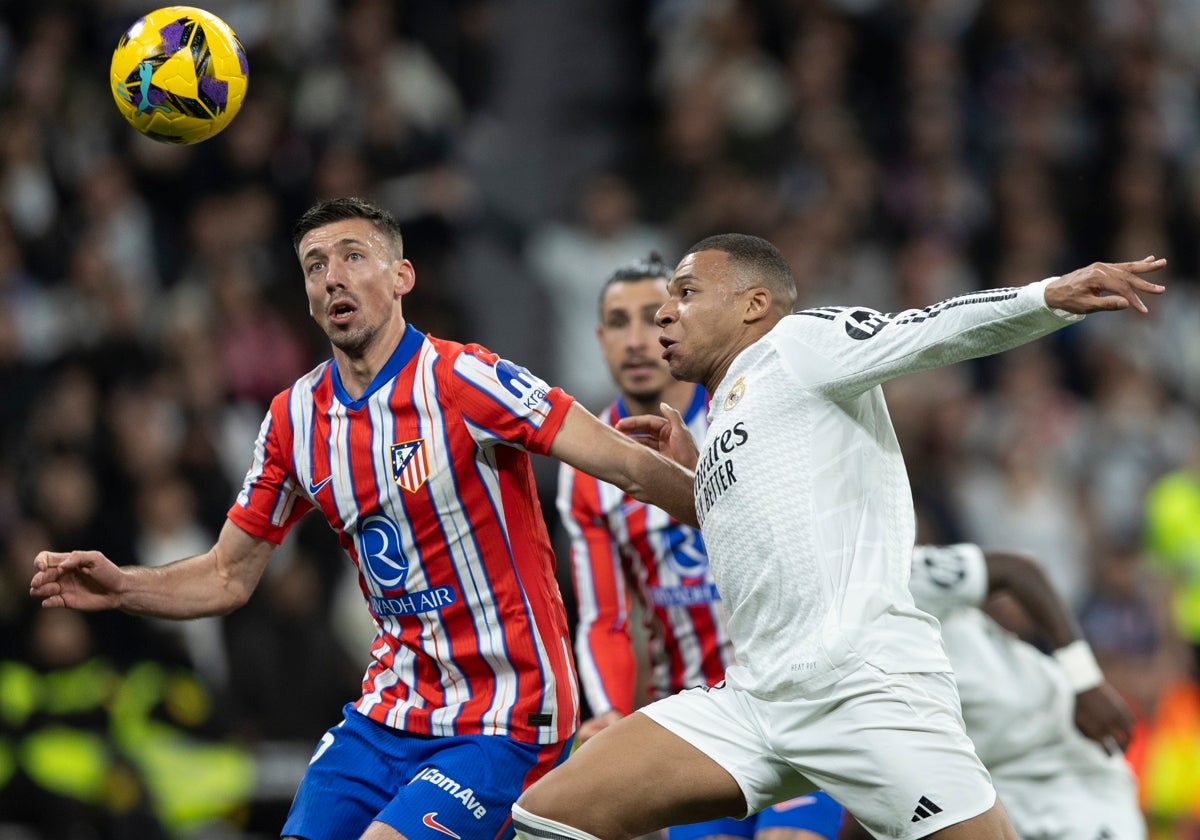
pixel 1104 287
pixel 81 580
pixel 667 434
pixel 1102 715
pixel 595 725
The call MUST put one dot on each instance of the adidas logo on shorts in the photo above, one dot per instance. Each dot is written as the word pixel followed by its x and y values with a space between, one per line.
pixel 926 807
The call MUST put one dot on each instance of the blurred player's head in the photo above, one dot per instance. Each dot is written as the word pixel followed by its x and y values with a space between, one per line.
pixel 628 335
pixel 352 256
pixel 725 294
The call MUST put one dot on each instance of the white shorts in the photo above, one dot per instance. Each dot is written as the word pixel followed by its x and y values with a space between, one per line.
pixel 1094 798
pixel 891 748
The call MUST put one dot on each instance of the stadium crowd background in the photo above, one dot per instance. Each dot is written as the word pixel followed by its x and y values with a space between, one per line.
pixel 898 151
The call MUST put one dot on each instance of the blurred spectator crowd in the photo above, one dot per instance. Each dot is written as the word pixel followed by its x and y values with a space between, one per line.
pixel 897 151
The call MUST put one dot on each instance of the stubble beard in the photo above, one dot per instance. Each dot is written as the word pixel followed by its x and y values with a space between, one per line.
pixel 352 342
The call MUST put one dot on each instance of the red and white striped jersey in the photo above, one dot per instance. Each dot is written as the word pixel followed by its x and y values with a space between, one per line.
pixel 427 480
pixel 617 542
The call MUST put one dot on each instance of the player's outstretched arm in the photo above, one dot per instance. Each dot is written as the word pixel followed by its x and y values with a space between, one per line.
pixel 213 583
pixel 594 447
pixel 1100 712
pixel 1104 287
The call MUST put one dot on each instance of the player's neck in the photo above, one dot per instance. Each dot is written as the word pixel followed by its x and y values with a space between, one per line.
pixel 358 370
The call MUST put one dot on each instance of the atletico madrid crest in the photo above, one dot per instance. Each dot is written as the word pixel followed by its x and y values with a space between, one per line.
pixel 410 467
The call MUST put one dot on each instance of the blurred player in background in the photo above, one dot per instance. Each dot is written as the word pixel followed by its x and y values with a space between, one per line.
pixel 415 450
pixel 623 549
pixel 839 681
pixel 1049 728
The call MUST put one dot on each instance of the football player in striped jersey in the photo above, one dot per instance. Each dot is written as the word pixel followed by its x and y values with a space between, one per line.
pixel 416 451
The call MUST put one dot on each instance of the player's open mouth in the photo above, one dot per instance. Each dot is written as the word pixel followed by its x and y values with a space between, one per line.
pixel 341 311
pixel 667 345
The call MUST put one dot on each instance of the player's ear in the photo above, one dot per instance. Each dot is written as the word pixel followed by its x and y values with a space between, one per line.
pixel 759 302
pixel 404 277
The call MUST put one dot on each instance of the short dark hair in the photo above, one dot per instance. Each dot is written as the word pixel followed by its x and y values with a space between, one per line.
pixel 650 268
pixel 339 210
pixel 758 258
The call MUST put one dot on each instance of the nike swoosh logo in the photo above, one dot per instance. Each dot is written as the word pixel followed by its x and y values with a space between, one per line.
pixel 429 820
pixel 315 488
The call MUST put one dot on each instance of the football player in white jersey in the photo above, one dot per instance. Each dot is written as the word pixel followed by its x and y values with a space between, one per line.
pixel 841 682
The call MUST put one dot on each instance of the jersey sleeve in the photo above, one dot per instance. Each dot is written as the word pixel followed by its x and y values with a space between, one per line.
pixel 502 402
pixel 844 351
pixel 603 645
pixel 270 501
pixel 945 577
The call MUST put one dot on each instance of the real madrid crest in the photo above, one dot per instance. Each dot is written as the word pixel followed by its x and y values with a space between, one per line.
pixel 735 393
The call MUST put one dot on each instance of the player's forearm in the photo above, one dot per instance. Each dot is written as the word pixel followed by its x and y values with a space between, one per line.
pixel 214 583
pixel 190 588
pixel 663 483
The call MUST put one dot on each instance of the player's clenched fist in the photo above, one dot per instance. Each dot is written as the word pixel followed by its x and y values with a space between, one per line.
pixel 82 580
pixel 1104 286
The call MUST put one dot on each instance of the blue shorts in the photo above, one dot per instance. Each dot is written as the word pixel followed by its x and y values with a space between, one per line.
pixel 814 812
pixel 427 788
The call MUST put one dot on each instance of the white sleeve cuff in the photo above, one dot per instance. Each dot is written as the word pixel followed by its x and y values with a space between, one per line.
pixel 1039 289
pixel 1079 665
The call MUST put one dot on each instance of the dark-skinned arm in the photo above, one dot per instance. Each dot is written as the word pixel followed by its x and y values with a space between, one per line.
pixel 1100 712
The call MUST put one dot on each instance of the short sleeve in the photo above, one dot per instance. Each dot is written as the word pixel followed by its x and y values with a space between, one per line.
pixel 945 577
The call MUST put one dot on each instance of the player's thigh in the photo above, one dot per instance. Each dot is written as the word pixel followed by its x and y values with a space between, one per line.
pixel 633 778
pixel 992 824
pixel 892 749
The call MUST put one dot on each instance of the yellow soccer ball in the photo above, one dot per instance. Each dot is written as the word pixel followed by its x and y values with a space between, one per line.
pixel 179 75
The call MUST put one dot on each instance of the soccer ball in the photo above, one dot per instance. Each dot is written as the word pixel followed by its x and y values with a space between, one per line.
pixel 179 75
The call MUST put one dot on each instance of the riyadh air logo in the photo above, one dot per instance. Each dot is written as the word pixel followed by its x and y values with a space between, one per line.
pixel 735 393
pixel 380 555
pixel 522 384
pixel 685 552
pixel 410 466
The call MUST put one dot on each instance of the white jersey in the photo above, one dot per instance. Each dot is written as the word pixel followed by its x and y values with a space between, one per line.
pixel 1019 712
pixel 803 494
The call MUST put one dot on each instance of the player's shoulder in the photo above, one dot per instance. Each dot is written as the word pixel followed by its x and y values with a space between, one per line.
pixel 306 384
pixel 448 348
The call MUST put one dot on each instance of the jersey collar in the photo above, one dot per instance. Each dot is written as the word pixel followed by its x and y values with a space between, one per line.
pixel 698 404
pixel 410 342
